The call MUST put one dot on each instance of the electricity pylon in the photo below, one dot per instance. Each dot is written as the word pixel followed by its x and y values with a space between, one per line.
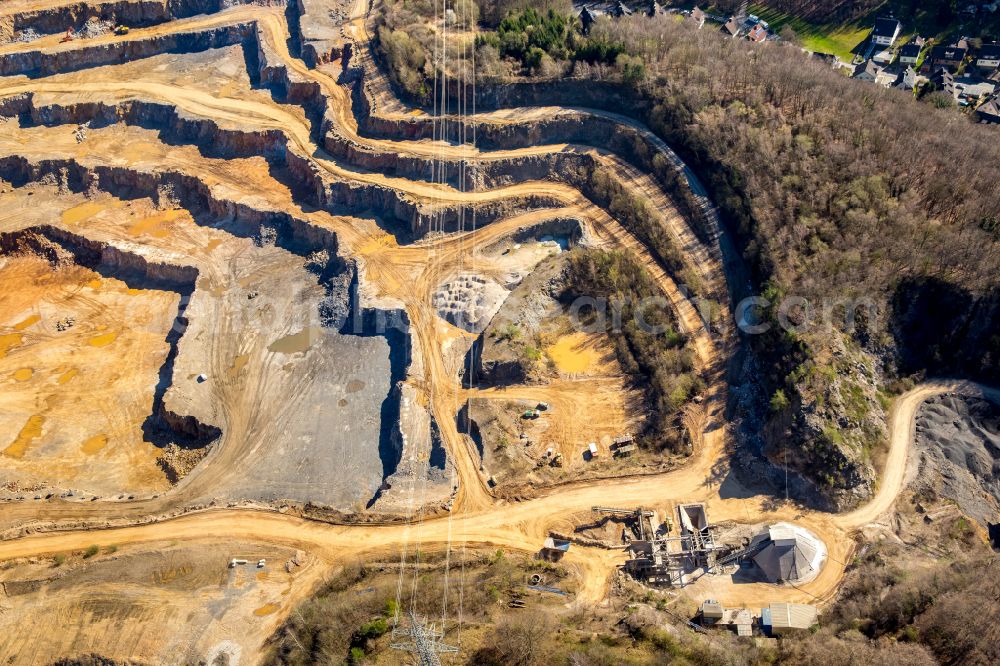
pixel 425 641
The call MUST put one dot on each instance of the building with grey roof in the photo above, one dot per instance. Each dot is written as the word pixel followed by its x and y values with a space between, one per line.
pixel 785 554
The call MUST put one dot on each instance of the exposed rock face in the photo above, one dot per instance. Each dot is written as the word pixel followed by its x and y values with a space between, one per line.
pixel 318 24
pixel 826 440
pixel 607 129
pixel 192 193
pixel 469 301
pixel 60 246
pixel 132 13
pixel 958 443
pixel 177 461
pixel 184 435
pixel 48 61
pixel 501 357
pixel 423 465
pixel 944 329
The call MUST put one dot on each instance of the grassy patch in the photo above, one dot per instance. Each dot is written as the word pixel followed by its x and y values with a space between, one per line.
pixel 839 39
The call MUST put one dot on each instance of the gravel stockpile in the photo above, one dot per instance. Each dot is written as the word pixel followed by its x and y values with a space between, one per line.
pixel 958 437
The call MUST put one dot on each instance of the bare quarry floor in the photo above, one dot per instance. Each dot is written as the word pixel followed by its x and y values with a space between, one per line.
pixel 73 401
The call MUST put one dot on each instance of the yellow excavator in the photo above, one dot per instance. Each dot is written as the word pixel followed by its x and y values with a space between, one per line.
pixel 121 30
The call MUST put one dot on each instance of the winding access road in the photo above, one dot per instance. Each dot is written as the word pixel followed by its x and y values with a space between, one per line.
pixel 410 274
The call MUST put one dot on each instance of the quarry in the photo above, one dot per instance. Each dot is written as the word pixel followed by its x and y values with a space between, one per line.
pixel 257 308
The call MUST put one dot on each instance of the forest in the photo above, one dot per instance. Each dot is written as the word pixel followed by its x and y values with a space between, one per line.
pixel 648 344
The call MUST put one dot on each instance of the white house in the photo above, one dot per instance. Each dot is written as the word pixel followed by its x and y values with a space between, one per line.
pixel 867 71
pixel 988 56
pixel 909 53
pixel 886 31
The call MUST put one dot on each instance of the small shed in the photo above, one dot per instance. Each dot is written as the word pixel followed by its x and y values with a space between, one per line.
pixel 783 618
pixel 627 438
pixel 625 450
pixel 743 622
pixel 711 612
pixel 553 549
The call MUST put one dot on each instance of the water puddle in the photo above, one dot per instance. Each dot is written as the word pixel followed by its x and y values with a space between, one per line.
pixel 297 342
pixel 31 431
pixel 20 326
pixel 154 224
pixel 84 211
pixel 574 353
pixel 8 342
pixel 266 609
pixel 561 241
pixel 239 363
pixel 68 375
pixel 355 385
pixel 103 340
pixel 23 375
pixel 94 444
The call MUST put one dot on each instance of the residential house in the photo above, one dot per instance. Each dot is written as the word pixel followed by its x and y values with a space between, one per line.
pixel 906 79
pixel 781 618
pixel 886 31
pixel 698 16
pixel 988 57
pixel 731 27
pixel 827 58
pixel 989 112
pixel 949 57
pixel 970 89
pixel 886 77
pixel 655 9
pixel 910 52
pixel 758 33
pixel 944 82
pixel 867 71
pixel 620 9
pixel 883 56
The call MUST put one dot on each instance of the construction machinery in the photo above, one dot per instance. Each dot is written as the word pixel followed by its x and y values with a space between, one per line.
pixel 121 30
pixel 69 36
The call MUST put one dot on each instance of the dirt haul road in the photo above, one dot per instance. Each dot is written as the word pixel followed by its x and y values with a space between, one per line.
pixel 522 526
pixel 410 275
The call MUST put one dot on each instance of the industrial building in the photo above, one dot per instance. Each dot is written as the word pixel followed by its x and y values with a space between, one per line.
pixel 775 620
pixel 783 553
pixel 782 618
pixel 659 558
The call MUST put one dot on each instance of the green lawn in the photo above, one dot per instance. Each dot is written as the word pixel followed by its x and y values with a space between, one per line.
pixel 836 38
